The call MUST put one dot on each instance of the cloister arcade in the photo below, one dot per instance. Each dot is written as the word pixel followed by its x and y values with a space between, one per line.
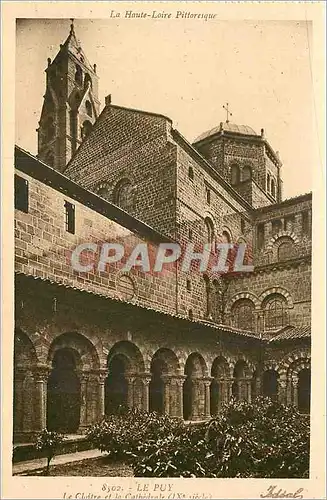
pixel 71 384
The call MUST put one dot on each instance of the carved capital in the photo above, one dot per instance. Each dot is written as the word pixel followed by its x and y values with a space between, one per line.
pixel 102 375
pixel 179 379
pixel 41 373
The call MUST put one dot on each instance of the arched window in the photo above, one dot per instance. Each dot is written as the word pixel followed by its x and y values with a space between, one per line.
pixel 190 173
pixel 123 195
pixel 209 230
pixel 87 80
pixel 275 312
pixel 86 129
pixel 285 250
pixel 78 75
pixel 235 175
pixel 225 237
pixel 268 183
pixel 260 235
pixel 88 107
pixel 273 188
pixel 246 173
pixel 243 315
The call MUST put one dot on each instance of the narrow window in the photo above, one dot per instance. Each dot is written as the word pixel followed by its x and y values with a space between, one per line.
pixel 260 236
pixel 188 285
pixel 21 194
pixel 242 226
pixel 208 195
pixel 87 81
pixel 190 173
pixel 190 234
pixel 88 107
pixel 190 314
pixel 78 75
pixel 235 175
pixel 70 217
pixel 268 183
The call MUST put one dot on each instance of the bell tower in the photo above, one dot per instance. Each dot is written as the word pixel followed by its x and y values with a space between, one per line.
pixel 70 106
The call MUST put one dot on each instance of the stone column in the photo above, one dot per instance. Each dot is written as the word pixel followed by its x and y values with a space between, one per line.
pixel 101 396
pixel 146 379
pixel 240 389
pixel 229 391
pixel 167 384
pixel 130 390
pixel 195 399
pixel 282 389
pixel 295 381
pixel 180 379
pixel 207 383
pixel 41 375
pixel 248 390
pixel 84 378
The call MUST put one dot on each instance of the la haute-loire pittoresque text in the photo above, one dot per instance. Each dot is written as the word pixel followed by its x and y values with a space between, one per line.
pixel 161 14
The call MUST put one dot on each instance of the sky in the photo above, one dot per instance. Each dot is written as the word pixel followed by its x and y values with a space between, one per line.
pixel 187 70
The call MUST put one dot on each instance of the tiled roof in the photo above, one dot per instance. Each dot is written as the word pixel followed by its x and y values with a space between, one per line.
pixel 227 127
pixel 117 299
pixel 291 333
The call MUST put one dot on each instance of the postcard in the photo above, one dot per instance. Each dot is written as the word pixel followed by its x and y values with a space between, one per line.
pixel 163 247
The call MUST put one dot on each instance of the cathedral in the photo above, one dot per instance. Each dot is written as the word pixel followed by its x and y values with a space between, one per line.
pixel 180 342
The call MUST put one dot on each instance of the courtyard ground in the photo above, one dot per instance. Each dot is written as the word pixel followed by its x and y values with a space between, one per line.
pixel 84 463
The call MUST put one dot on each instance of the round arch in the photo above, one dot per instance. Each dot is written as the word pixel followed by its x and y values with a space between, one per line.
pixel 123 194
pixel 195 371
pixel 24 350
pixel 281 234
pixel 243 295
pixel 87 358
pixel 24 393
pixel 277 290
pixel 296 358
pixel 131 352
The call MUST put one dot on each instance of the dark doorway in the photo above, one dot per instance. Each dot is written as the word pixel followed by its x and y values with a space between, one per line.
pixel 235 390
pixel 214 398
pixel 156 389
pixel 304 386
pixel 187 398
pixel 270 384
pixel 116 387
pixel 64 394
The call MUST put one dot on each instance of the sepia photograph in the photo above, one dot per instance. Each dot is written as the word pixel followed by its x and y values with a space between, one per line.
pixel 163 212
